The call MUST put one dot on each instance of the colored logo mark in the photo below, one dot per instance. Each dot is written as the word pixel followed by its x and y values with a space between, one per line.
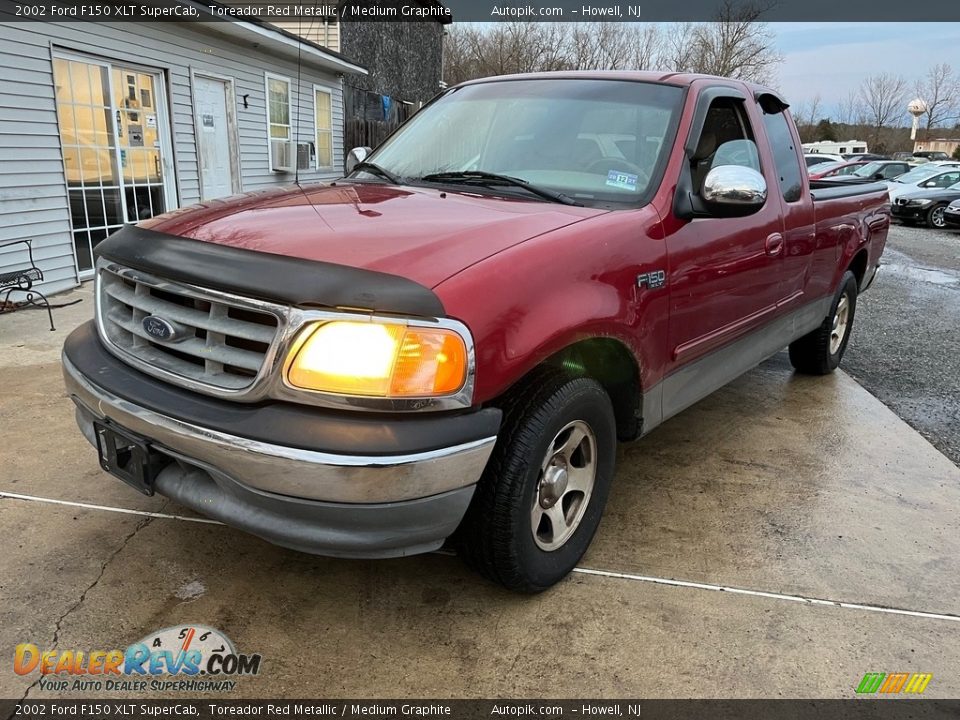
pixel 892 683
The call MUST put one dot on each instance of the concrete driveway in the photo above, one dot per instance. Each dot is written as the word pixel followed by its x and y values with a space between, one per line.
pixel 780 539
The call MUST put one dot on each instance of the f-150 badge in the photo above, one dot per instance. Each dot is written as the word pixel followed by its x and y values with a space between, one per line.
pixel 652 280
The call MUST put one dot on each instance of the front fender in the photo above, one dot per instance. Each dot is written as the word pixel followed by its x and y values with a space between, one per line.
pixel 526 304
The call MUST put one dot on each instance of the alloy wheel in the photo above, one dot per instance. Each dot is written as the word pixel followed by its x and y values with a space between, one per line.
pixel 564 487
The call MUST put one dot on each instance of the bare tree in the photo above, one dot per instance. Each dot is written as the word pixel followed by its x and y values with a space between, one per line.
pixel 940 90
pixel 737 45
pixel 850 110
pixel 884 101
pixel 805 115
pixel 647 45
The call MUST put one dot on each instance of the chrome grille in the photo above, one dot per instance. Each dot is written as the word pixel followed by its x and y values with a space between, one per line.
pixel 219 341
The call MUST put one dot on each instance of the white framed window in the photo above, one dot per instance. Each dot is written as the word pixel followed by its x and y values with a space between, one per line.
pixel 323 125
pixel 279 110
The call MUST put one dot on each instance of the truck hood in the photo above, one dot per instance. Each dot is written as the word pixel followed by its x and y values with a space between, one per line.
pixel 423 234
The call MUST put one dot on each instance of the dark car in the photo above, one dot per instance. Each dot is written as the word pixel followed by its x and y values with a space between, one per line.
pixel 867 156
pixel 882 170
pixel 931 155
pixel 951 215
pixel 926 206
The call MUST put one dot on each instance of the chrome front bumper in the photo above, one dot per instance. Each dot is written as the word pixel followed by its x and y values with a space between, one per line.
pixel 307 474
pixel 344 505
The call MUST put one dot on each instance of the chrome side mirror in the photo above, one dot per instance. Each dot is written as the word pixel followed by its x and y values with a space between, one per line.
pixel 355 157
pixel 734 191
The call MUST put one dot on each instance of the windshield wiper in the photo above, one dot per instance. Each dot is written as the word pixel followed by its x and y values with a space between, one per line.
pixel 375 169
pixel 488 179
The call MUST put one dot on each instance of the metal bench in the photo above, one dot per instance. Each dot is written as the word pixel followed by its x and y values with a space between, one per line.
pixel 21 279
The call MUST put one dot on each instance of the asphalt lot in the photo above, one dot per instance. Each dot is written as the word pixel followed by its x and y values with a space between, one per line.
pixel 906 343
pixel 779 539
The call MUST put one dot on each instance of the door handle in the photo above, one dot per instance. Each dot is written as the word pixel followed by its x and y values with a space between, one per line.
pixel 774 244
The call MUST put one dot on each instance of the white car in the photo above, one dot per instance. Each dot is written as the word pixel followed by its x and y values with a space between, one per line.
pixel 925 177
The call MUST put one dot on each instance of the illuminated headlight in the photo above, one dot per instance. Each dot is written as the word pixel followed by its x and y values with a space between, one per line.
pixel 374 359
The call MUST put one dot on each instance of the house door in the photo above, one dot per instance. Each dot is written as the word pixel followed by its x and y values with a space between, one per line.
pixel 115 137
pixel 211 102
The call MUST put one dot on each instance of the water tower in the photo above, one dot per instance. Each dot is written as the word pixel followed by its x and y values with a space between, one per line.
pixel 916 108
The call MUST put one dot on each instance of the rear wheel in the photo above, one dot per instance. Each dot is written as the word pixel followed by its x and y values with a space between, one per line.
pixel 819 352
pixel 541 497
pixel 935 217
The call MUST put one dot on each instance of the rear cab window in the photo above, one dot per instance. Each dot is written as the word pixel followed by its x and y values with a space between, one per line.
pixel 783 146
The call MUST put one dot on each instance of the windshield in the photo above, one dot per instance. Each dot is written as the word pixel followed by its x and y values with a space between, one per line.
pixel 869 170
pixel 596 141
pixel 824 167
pixel 918 174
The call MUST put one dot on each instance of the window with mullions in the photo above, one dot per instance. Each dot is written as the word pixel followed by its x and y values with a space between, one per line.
pixel 278 109
pixel 323 118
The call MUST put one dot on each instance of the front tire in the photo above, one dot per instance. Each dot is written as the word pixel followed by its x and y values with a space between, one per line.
pixel 935 217
pixel 820 352
pixel 541 497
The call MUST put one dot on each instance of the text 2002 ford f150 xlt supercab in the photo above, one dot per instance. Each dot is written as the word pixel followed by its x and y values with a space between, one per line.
pixel 449 342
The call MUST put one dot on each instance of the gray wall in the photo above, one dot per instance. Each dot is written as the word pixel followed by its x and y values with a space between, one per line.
pixel 404 58
pixel 33 194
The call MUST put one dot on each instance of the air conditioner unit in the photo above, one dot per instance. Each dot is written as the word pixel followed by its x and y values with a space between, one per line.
pixel 281 156
pixel 304 155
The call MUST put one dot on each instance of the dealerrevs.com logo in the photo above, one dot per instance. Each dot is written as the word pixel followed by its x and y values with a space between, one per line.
pixel 194 658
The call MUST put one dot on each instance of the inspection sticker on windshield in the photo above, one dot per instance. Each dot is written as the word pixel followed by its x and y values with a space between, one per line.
pixel 623 180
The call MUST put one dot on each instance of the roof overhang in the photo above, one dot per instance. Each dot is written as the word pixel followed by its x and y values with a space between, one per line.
pixel 277 42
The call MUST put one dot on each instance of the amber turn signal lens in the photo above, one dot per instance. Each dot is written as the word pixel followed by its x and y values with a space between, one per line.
pixel 379 359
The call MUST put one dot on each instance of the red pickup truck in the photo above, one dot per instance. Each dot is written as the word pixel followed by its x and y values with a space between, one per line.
pixel 449 342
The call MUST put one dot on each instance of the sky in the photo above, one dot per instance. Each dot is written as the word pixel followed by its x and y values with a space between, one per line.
pixel 834 58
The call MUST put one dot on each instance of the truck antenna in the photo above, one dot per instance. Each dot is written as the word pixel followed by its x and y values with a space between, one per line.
pixel 296 118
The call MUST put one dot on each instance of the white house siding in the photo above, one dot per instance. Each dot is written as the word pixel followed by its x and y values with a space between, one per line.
pixel 33 192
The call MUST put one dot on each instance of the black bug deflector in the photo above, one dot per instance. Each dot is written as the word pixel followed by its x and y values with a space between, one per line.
pixel 266 276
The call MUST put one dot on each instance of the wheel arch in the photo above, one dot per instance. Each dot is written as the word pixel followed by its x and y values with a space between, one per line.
pixel 858 265
pixel 610 362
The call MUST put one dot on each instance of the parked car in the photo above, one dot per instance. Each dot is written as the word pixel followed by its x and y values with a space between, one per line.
pixel 812 159
pixel 926 206
pixel 931 155
pixel 908 156
pixel 951 216
pixel 822 167
pixel 881 170
pixel 451 340
pixel 870 156
pixel 939 179
pixel 836 170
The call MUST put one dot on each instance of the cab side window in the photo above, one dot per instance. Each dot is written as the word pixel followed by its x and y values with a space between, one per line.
pixel 726 139
pixel 784 155
pixel 891 171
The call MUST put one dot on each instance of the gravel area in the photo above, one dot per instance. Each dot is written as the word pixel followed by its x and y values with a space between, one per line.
pixel 906 344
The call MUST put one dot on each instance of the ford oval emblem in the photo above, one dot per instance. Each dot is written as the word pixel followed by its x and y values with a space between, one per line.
pixel 157 327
